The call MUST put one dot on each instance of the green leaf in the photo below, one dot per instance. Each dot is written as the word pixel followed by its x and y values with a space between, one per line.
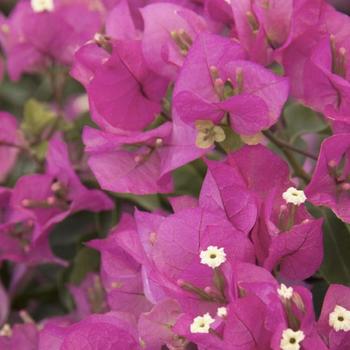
pixel 277 68
pixel 336 263
pixel 188 179
pixel 67 236
pixel 74 130
pixel 105 220
pixel 319 289
pixel 301 120
pixel 40 150
pixel 232 141
pixel 23 166
pixel 86 260
pixel 37 118
pixel 150 202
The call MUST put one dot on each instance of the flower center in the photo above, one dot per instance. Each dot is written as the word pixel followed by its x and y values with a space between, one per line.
pixel 294 196
pixel 201 324
pixel 213 256
pixel 339 319
pixel 291 339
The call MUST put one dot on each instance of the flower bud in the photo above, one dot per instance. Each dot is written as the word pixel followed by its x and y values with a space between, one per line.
pixel 51 200
pixel 254 25
pixel 345 186
pixel 6 330
pixel 103 41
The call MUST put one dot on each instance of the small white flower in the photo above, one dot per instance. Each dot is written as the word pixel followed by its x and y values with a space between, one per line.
pixel 294 196
pixel 213 256
pixel 201 324
pixel 42 5
pixel 285 292
pixel 339 319
pixel 291 339
pixel 222 311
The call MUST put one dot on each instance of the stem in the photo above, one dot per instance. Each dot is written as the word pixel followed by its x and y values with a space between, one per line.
pixel 21 148
pixel 26 318
pixel 286 149
pixel 58 81
pixel 48 292
pixel 283 144
pixel 215 333
pixel 298 169
pixel 13 145
pixel 166 116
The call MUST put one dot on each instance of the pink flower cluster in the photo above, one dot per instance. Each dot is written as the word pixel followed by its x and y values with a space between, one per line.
pixel 169 83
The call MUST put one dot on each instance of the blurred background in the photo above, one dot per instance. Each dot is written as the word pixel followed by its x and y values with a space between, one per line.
pixel 342 5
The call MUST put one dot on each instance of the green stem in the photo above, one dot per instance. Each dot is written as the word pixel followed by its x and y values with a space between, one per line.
pixel 21 148
pixel 13 145
pixel 297 168
pixel 58 81
pixel 285 145
pixel 287 149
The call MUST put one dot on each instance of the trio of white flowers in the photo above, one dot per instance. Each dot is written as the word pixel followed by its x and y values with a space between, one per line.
pixel 339 320
pixel 214 256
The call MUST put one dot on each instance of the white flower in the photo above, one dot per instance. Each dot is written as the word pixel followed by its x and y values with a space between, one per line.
pixel 294 196
pixel 291 339
pixel 213 256
pixel 339 319
pixel 42 5
pixel 222 311
pixel 201 324
pixel 285 292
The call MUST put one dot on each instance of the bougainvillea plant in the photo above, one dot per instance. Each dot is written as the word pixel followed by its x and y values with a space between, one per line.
pixel 174 175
